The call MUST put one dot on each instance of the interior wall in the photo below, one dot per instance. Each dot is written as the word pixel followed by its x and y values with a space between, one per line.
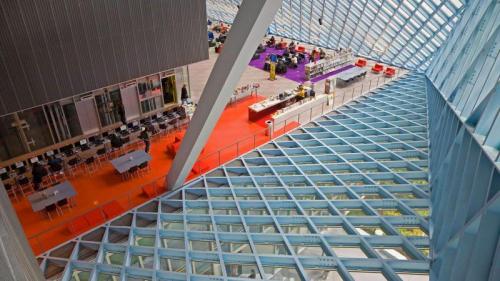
pixel 50 50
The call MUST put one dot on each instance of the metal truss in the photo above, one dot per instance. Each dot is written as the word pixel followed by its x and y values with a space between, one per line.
pixel 403 33
pixel 344 197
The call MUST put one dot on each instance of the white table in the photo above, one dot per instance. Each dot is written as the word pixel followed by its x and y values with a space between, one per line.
pixel 135 158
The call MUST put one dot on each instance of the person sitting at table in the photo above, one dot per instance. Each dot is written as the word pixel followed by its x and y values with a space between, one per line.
pixel 55 164
pixel 301 92
pixel 38 172
pixel 322 54
pixel 116 142
pixel 294 63
pixel 144 136
pixel 271 42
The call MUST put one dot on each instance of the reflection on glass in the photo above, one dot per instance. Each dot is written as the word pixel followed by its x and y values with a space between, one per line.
pixel 286 212
pixel 332 229
pixel 367 230
pixel 322 274
pixel 389 212
pixel 173 243
pixel 173 264
pixel 353 212
pixel 338 196
pixel 145 241
pixel 309 250
pixel 142 261
pixel 234 227
pixel 248 271
pixel 424 212
pixel 199 226
pixel 404 195
pixel 203 245
pixel 228 211
pixel 112 257
pixel 255 212
pixel 370 195
pixel 80 275
pixel 281 273
pixel 296 228
pixel 262 228
pixel 108 276
pixel 371 276
pixel 206 268
pixel 275 248
pixel 414 276
pixel 393 253
pixel 349 251
pixel 412 231
pixel 173 225
pixel 236 247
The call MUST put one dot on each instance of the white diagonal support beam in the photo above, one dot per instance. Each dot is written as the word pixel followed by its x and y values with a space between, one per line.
pixel 249 26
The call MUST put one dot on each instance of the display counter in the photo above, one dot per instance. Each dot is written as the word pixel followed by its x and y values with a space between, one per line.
pixel 328 64
pixel 258 110
pixel 308 108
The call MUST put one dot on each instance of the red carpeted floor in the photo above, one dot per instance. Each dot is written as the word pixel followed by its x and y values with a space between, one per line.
pixel 232 136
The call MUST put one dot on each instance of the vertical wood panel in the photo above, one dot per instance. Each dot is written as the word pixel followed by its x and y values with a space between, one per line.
pixel 55 49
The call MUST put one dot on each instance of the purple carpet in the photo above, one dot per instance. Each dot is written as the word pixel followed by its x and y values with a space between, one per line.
pixel 295 74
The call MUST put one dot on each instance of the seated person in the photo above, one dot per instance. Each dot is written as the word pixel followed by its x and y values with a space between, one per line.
pixel 292 45
pixel 271 42
pixel 322 54
pixel 293 62
pixel 278 45
pixel 38 172
pixel 116 142
pixel 260 48
pixel 55 164
pixel 301 92
pixel 301 57
pixel 281 67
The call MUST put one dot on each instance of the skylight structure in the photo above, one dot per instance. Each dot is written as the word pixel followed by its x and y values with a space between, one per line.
pixel 403 33
pixel 344 197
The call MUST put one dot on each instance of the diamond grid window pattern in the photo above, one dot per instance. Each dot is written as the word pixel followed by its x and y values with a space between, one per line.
pixel 403 33
pixel 369 205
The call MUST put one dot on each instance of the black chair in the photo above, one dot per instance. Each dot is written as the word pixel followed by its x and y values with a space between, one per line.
pixel 90 164
pixel 102 154
pixel 51 208
pixel 143 167
pixel 132 171
pixel 25 186
pixel 73 166
pixel 11 190
pixel 63 203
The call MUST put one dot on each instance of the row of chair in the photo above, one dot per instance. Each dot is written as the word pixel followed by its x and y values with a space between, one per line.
pixel 95 217
pixel 377 68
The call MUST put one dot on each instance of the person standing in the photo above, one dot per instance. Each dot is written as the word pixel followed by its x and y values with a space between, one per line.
pixel 38 172
pixel 145 138
pixel 184 94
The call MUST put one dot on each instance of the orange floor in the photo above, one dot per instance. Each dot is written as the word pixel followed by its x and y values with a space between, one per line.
pixel 93 191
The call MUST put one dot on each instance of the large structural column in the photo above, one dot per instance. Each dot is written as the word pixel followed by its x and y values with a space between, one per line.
pixel 250 24
pixel 17 262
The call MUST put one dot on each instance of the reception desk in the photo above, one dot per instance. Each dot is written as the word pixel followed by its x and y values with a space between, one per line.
pixel 307 108
pixel 270 105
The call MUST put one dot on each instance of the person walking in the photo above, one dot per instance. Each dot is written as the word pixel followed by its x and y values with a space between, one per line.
pixel 144 136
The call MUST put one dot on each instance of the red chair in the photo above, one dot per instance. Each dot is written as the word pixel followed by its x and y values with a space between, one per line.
pixel 112 209
pixel 150 190
pixel 301 49
pixel 360 63
pixel 390 72
pixel 78 225
pixel 94 217
pixel 377 68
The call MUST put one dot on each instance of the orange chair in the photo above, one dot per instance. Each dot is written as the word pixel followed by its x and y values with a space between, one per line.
pixel 377 68
pixel 150 190
pixel 94 217
pixel 301 49
pixel 282 45
pixel 112 209
pixel 390 72
pixel 360 63
pixel 78 225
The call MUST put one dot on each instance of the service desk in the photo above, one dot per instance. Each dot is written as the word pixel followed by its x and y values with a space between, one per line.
pixel 258 110
pixel 307 108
